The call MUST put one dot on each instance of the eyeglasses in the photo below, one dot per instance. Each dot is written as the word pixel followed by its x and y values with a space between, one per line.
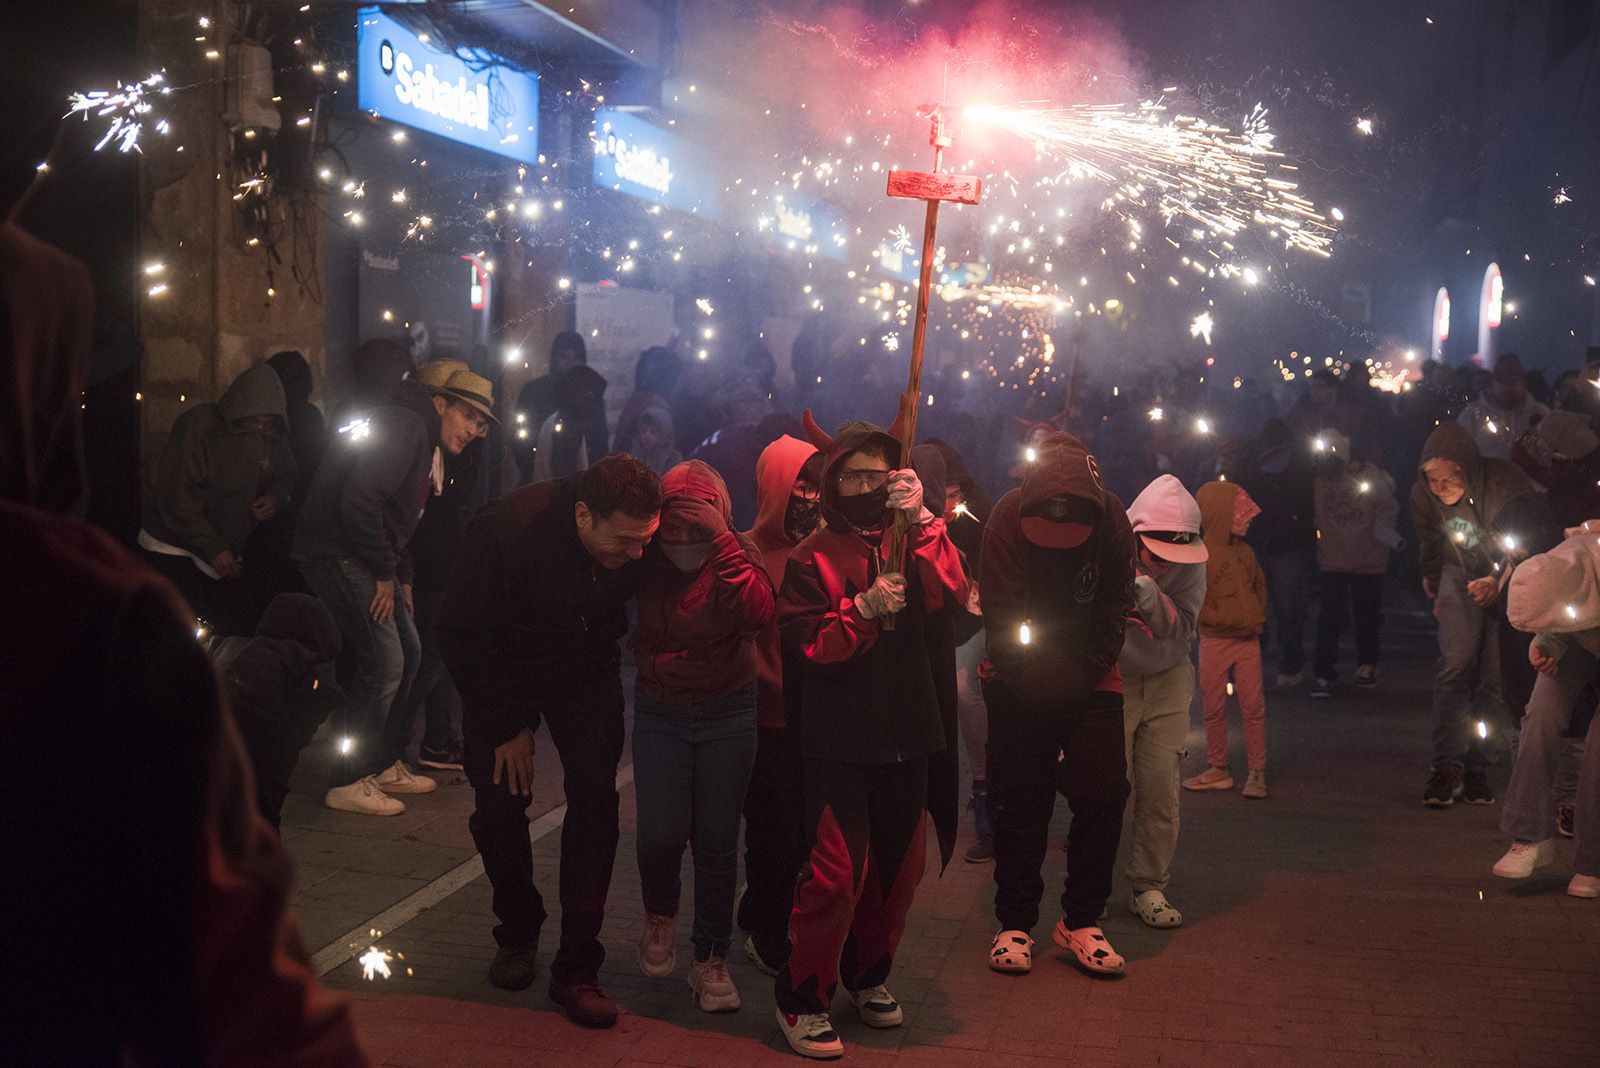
pixel 865 480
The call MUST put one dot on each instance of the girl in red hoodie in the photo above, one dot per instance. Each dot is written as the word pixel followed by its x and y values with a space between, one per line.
pixel 703 602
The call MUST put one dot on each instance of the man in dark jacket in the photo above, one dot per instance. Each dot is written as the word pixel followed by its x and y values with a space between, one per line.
pixel 1278 474
pixel 280 687
pixel 1057 582
pixel 540 398
pixel 1474 518
pixel 351 547
pixel 869 721
pixel 224 468
pixel 529 629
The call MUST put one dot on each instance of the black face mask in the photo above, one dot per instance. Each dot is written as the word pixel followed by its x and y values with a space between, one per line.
pixel 801 517
pixel 865 511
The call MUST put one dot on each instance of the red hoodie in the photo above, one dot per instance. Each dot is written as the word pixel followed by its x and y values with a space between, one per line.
pixel 697 631
pixel 776 471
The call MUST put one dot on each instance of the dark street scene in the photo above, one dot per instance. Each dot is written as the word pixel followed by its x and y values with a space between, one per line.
pixel 724 533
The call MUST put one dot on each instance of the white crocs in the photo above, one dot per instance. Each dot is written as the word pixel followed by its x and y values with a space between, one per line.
pixel 1154 909
pixel 1089 946
pixel 1012 953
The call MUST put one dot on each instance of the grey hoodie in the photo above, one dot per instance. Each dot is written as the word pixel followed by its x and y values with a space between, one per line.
pixel 1166 610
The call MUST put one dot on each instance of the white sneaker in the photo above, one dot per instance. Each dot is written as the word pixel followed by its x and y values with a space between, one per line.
pixel 1523 857
pixel 1586 886
pixel 877 1007
pixel 363 796
pixel 713 987
pixel 399 779
pixel 811 1035
pixel 658 951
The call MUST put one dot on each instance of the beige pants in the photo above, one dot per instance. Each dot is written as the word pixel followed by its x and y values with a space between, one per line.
pixel 1155 720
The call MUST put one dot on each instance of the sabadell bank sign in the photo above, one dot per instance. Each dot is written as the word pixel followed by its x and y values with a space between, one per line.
pixel 408 77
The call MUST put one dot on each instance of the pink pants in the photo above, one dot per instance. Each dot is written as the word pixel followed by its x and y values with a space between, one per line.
pixel 1241 656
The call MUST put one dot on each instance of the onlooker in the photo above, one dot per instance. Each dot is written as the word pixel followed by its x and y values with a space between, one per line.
pixel 433 548
pixel 869 720
pixel 1057 582
pixel 568 441
pixel 704 599
pixel 1562 454
pixel 269 550
pixel 280 687
pixel 1504 412
pixel 1231 619
pixel 377 366
pixel 1277 474
pixel 655 381
pixel 530 627
pixel 789 473
pixel 1158 683
pixel 1356 510
pixel 1557 595
pixel 542 397
pixel 1474 518
pixel 653 441
pixel 737 446
pixel 225 467
pixel 352 548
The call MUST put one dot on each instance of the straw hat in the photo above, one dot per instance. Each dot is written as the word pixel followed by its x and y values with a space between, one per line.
pixel 435 373
pixel 474 391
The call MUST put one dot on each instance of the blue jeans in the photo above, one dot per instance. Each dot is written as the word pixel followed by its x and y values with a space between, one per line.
pixel 1288 576
pixel 376 667
pixel 432 692
pixel 691 768
pixel 1468 678
pixel 1528 814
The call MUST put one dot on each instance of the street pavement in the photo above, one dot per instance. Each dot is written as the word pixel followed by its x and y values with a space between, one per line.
pixel 1338 922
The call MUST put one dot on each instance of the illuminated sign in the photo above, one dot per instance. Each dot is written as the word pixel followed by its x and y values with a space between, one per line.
pixel 1489 309
pixel 634 157
pixel 805 226
pixel 406 77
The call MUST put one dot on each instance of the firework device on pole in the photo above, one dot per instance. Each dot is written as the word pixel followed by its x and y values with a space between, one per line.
pixel 931 187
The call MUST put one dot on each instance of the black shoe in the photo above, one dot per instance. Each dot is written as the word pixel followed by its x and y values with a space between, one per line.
pixel 769 953
pixel 1443 788
pixel 444 758
pixel 1322 689
pixel 514 967
pixel 586 1004
pixel 981 851
pixel 1565 816
pixel 1475 787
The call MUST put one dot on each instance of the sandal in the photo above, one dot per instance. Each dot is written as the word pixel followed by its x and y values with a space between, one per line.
pixel 1089 945
pixel 1012 953
pixel 1154 909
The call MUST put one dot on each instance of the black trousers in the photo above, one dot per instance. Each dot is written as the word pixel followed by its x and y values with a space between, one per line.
pixel 774 835
pixel 229 606
pixel 1026 740
pixel 587 730
pixel 1344 595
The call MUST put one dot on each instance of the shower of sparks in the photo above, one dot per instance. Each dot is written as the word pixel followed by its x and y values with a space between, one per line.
pixel 1562 196
pixel 1201 327
pixel 891 343
pixel 128 107
pixel 1224 181
pixel 900 238
pixel 375 962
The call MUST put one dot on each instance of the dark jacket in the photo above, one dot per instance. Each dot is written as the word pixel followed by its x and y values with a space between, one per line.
pixel 697 632
pixel 372 485
pixel 776 472
pixel 199 490
pixel 866 692
pixel 1279 476
pixel 529 615
pixel 437 539
pixel 1075 601
pixel 1500 501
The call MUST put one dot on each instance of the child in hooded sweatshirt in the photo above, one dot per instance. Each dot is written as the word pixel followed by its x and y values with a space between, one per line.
pixel 1158 682
pixel 1231 620
pixel 703 601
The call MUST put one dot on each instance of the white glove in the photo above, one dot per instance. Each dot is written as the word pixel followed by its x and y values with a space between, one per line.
pixel 886 596
pixel 905 492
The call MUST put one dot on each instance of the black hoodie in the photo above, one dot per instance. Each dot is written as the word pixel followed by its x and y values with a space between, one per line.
pixel 371 487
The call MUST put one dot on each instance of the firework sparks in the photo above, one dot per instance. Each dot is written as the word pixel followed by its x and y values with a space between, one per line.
pixel 128 107
pixel 1201 327
pixel 375 961
pixel 1562 196
pixel 1225 181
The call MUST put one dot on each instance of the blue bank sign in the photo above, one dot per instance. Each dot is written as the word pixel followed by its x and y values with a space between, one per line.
pixel 403 76
pixel 634 157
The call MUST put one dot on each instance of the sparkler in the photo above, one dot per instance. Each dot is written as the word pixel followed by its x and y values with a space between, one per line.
pixel 128 107
pixel 1184 167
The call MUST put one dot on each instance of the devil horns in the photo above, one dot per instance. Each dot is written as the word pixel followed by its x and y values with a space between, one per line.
pixel 824 440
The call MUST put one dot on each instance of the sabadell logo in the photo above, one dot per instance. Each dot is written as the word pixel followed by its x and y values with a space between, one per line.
pixel 462 102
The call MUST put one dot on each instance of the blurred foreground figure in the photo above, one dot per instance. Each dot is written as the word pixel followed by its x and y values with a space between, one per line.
pixel 150 895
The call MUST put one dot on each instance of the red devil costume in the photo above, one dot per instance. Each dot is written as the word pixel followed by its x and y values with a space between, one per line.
pixel 869 722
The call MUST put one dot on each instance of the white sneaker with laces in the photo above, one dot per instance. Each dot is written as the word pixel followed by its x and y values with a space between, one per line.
pixel 363 796
pixel 811 1035
pixel 877 1007
pixel 399 779
pixel 658 951
pixel 713 987
pixel 1523 857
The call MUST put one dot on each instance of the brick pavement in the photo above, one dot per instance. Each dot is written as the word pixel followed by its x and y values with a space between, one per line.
pixel 1338 922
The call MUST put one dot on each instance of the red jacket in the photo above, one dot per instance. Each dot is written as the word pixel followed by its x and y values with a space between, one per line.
pixel 776 471
pixel 697 632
